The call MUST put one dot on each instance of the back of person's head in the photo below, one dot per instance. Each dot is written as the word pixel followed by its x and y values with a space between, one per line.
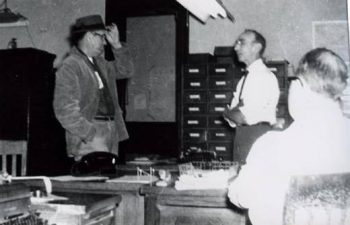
pixel 259 38
pixel 324 71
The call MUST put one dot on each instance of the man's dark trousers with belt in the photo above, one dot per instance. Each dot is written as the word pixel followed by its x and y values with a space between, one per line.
pixel 245 137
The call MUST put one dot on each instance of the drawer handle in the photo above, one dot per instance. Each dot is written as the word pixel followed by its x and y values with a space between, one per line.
pixel 220 83
pixel 194 134
pixel 220 70
pixel 219 109
pixel 220 134
pixel 273 69
pixel 218 122
pixel 192 122
pixel 195 84
pixel 195 96
pixel 193 109
pixel 220 96
pixel 220 149
pixel 193 70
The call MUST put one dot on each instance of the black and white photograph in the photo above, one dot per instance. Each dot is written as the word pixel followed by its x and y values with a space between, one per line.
pixel 174 112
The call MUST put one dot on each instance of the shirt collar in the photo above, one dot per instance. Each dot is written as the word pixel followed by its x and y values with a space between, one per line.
pixel 76 51
pixel 256 65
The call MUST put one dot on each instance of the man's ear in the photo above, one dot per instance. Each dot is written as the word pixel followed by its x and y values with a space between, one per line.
pixel 89 35
pixel 257 47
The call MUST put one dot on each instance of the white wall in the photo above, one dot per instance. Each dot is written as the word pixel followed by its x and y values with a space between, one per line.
pixel 49 22
pixel 286 25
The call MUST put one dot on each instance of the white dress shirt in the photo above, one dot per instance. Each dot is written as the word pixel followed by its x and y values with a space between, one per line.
pixel 260 94
pixel 317 142
pixel 100 83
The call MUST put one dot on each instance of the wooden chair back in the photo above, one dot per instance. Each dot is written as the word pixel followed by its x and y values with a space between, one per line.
pixel 13 157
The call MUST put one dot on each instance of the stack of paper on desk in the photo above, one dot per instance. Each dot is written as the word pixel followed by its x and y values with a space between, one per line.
pixel 211 180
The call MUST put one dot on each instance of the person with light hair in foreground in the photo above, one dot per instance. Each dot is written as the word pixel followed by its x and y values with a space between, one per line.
pixel 317 142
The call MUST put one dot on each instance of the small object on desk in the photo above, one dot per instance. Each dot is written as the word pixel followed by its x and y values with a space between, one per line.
pixel 204 180
pixel 165 178
pixel 45 199
pixel 206 175
pixel 142 177
pixel 12 43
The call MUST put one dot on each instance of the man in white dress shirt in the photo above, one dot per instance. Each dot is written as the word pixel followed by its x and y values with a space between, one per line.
pixel 317 142
pixel 253 107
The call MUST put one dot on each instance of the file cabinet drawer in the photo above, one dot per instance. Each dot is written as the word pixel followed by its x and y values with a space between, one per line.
pixel 223 147
pixel 216 108
pixel 195 84
pixel 216 122
pixel 280 69
pixel 195 71
pixel 194 146
pixel 221 83
pixel 220 96
pixel 195 122
pixel 219 135
pixel 223 150
pixel 195 96
pixel 195 135
pixel 195 108
pixel 221 69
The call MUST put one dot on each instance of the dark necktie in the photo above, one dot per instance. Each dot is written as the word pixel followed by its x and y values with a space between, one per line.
pixel 240 92
pixel 106 106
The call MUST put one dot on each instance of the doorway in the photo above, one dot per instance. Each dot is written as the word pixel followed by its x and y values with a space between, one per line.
pixel 156 32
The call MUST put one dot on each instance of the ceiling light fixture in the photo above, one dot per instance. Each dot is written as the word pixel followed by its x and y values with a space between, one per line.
pixel 9 18
pixel 203 9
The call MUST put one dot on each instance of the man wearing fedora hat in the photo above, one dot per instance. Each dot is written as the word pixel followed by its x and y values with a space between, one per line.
pixel 85 99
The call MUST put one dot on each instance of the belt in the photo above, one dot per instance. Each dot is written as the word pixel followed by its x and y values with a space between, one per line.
pixel 257 124
pixel 263 123
pixel 104 118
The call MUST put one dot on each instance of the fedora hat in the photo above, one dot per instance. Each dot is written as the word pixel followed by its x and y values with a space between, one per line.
pixel 88 23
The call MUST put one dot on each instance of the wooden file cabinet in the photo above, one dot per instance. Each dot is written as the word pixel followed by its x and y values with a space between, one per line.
pixel 207 89
pixel 280 69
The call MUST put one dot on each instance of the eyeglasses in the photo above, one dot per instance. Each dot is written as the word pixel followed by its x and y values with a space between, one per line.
pixel 238 42
pixel 101 36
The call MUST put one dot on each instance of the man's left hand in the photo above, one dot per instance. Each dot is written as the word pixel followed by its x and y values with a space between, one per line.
pixel 234 115
pixel 112 36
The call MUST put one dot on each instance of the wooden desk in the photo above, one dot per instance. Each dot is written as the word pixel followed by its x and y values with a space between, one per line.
pixel 131 208
pixel 168 206
pixel 150 205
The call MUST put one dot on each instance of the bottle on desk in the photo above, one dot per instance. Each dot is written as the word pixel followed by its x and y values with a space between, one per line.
pixel 12 43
